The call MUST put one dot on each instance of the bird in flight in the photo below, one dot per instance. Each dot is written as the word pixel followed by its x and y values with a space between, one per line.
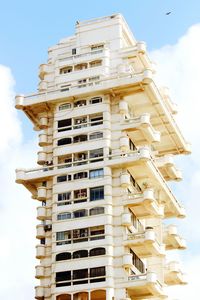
pixel 168 13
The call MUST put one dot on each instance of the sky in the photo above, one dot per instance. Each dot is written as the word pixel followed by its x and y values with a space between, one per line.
pixel 27 29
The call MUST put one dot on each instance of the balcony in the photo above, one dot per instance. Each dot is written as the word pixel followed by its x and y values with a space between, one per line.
pixel 42 193
pixel 42 157
pixel 173 275
pixel 19 101
pixel 144 205
pixel 172 239
pixel 39 272
pixel 40 251
pixel 39 292
pixel 143 286
pixel 128 260
pixel 79 58
pixel 116 82
pixel 143 125
pixel 143 169
pixel 43 140
pixel 40 232
pixel 43 70
pixel 43 123
pixel 41 213
pixel 167 168
pixel 144 244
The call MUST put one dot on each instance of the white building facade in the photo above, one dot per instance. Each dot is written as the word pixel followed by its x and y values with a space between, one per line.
pixel 107 138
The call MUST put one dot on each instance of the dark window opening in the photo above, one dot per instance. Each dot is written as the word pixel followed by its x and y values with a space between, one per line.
pixel 62 178
pixel 97 211
pixel 64 141
pixel 64 123
pixel 80 175
pixel 63 276
pixel 97 193
pixel 96 120
pixel 97 251
pixel 80 213
pixel 63 256
pixel 95 100
pixel 80 254
pixel 80 138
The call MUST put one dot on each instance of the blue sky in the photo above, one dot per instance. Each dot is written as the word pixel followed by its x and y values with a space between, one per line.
pixel 27 29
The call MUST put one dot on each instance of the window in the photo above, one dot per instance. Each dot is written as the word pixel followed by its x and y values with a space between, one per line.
pixel 96 135
pixel 80 67
pixel 137 262
pixel 132 146
pixel 64 123
pixel 80 213
pixel 95 63
pixel 74 51
pixel 135 184
pixel 96 120
pixel 96 173
pixel 64 141
pixel 80 253
pixel 94 79
pixel 63 256
pixel 80 122
pixel 82 83
pixel 77 274
pixel 65 87
pixel 97 272
pixel 80 138
pixel 80 175
pixel 97 193
pixel 62 178
pixel 66 70
pixel 95 100
pixel 80 235
pixel 63 237
pixel 96 153
pixel 80 196
pixel 97 251
pixel 97 47
pixel 96 211
pixel 80 103
pixel 63 276
pixel 65 106
pixel 63 216
pixel 64 196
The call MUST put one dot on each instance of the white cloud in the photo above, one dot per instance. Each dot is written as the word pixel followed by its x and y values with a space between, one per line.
pixel 178 67
pixel 16 208
pixel 10 126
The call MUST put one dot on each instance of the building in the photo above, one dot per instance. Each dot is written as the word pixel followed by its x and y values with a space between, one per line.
pixel 107 138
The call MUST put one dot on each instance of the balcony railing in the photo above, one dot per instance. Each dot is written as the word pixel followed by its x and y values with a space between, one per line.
pixel 84 280
pixel 82 55
pixel 138 77
pixel 81 238
pixel 81 125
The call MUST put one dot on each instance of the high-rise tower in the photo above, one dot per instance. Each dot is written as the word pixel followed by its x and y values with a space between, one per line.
pixel 107 138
